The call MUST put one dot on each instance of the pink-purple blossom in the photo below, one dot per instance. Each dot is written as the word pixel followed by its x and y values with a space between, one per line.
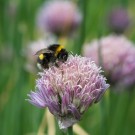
pixel 118 20
pixel 68 90
pixel 117 56
pixel 59 17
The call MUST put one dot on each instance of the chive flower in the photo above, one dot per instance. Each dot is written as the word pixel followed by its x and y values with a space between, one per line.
pixel 116 55
pixel 59 17
pixel 118 20
pixel 68 90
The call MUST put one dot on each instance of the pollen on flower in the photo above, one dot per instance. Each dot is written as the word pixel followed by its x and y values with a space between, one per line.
pixel 68 90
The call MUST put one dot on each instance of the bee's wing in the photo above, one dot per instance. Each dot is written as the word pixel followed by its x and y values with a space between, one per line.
pixel 43 51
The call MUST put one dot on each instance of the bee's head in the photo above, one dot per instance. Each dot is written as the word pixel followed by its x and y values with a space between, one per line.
pixel 63 55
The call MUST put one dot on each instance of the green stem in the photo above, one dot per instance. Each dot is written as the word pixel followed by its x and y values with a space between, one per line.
pixel 83 5
pixel 70 131
pixel 103 116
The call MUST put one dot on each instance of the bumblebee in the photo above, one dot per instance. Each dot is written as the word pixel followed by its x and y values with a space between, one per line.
pixel 52 55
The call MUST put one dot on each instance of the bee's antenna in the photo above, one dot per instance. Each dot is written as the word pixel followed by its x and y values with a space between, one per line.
pixel 71 52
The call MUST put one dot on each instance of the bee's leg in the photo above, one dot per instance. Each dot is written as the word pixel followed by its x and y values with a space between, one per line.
pixel 46 66
pixel 56 64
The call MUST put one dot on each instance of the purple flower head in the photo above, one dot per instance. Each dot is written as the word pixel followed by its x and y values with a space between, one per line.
pixel 117 57
pixel 118 20
pixel 68 90
pixel 59 17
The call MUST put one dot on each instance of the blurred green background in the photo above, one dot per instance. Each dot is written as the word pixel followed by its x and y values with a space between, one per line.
pixel 17 28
